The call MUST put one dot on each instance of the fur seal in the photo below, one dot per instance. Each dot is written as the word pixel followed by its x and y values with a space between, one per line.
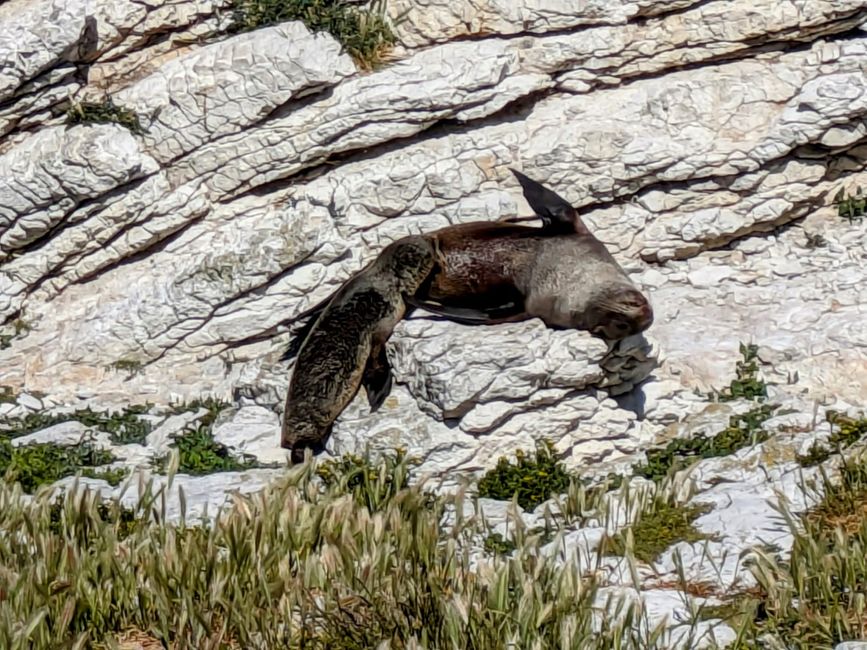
pixel 494 272
pixel 345 345
pixel 498 271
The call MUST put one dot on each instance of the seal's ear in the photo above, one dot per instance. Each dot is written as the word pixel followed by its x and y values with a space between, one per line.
pixel 556 213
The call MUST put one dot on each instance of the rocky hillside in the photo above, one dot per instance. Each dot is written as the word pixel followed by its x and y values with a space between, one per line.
pixel 176 192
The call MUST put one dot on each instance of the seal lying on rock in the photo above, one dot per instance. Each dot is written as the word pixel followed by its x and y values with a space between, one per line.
pixel 494 272
pixel 484 272
pixel 345 346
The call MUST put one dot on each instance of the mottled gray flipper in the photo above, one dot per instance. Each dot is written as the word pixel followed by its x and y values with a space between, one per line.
pixel 377 377
pixel 557 215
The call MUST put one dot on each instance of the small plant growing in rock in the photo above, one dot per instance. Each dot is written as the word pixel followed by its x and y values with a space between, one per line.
pixel 659 527
pixel 364 32
pixel 198 452
pixel 743 430
pixel 123 427
pixel 850 207
pixel 130 366
pixel 41 464
pixel 532 479
pixel 746 384
pixel 103 112
pixel 373 485
pixel 8 395
pixel 496 544
pixel 848 432
pixel 19 327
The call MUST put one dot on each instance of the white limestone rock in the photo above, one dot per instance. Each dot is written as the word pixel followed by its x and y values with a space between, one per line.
pixel 71 166
pixel 226 87
pixel 36 35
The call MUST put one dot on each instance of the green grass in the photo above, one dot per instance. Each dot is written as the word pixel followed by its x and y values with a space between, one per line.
pixel 363 32
pixel 742 431
pixel 103 112
pixel 531 479
pixel 300 565
pixel 659 526
pixel 816 598
pixel 848 431
pixel 372 485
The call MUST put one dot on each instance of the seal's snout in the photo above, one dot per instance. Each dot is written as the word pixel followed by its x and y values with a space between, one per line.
pixel 644 316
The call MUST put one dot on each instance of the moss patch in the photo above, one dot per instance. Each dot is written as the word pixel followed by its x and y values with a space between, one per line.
pixel 103 112
pixel 743 430
pixel 364 32
pixel 531 478
pixel 657 530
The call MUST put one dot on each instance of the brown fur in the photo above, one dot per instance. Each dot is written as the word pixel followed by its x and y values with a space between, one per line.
pixel 347 343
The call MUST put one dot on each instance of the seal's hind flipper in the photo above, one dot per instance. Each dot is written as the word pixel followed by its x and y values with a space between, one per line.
pixel 377 378
pixel 505 313
pixel 557 215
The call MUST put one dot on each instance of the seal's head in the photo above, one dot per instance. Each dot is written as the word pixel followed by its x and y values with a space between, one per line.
pixel 618 312
pixel 409 260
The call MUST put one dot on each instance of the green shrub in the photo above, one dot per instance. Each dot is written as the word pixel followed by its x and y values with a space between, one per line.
pixel 848 432
pixel 41 464
pixel 364 33
pixel 532 479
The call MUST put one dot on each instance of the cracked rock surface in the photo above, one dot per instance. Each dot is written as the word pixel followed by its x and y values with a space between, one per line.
pixel 703 141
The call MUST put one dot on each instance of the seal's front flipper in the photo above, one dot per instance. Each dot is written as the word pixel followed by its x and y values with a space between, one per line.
pixel 503 313
pixel 377 378
pixel 557 215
